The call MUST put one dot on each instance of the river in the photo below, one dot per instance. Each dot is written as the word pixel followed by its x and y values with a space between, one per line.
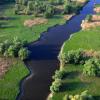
pixel 43 60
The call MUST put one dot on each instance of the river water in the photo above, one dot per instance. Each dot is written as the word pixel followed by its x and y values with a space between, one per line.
pixel 43 60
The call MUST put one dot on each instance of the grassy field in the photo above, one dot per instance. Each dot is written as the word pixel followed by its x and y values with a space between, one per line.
pixel 9 85
pixel 74 82
pixel 15 25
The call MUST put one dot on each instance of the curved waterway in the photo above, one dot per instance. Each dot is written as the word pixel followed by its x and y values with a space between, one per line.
pixel 43 60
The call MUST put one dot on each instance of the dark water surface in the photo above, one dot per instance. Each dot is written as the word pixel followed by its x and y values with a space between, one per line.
pixel 43 61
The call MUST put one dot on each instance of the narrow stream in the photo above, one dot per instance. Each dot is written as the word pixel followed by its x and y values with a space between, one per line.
pixel 43 60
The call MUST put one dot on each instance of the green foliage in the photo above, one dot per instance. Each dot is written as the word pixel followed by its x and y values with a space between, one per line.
pixel 92 67
pixel 23 53
pixel 45 8
pixel 11 51
pixel 67 9
pixel 71 7
pixel 2 48
pixel 59 74
pixel 49 11
pixel 56 85
pixel 83 96
pixel 75 57
pixel 89 18
pixel 17 8
pixel 14 49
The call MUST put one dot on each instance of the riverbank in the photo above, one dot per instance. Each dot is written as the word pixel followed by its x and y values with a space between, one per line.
pixel 89 40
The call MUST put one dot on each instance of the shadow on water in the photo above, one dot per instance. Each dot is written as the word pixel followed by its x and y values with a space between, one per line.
pixel 43 60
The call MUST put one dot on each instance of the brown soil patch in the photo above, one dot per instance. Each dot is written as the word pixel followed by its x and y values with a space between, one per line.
pixel 81 1
pixel 35 21
pixel 95 22
pixel 67 17
pixel 97 9
pixel 4 66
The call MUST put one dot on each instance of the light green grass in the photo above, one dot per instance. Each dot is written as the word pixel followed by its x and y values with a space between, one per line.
pixel 9 84
pixel 16 25
pixel 87 39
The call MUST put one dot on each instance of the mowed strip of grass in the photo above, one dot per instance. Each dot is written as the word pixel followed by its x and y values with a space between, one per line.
pixel 15 25
pixel 75 82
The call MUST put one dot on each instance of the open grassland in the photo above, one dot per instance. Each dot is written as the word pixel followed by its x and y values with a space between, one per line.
pixel 14 26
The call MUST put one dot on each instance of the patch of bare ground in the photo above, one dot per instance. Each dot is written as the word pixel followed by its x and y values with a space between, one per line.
pixel 97 9
pixel 67 17
pixel 4 66
pixel 36 21
pixel 81 1
pixel 94 23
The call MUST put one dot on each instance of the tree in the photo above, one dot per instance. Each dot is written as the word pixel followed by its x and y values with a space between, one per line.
pixel 11 52
pixel 2 48
pixel 92 67
pixel 23 53
pixel 56 85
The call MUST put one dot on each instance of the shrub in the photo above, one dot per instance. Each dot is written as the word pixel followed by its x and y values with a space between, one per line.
pixel 92 67
pixel 59 74
pixel 83 96
pixel 17 8
pixel 75 57
pixel 23 53
pixel 18 43
pixel 67 9
pixel 89 18
pixel 2 48
pixel 49 11
pixel 56 85
pixel 11 52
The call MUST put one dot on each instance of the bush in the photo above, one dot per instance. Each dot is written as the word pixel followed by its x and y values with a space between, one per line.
pixel 83 96
pixel 75 57
pixel 67 9
pixel 49 12
pixel 59 74
pixel 11 52
pixel 56 85
pixel 89 18
pixel 14 49
pixel 2 48
pixel 17 8
pixel 23 53
pixel 92 67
